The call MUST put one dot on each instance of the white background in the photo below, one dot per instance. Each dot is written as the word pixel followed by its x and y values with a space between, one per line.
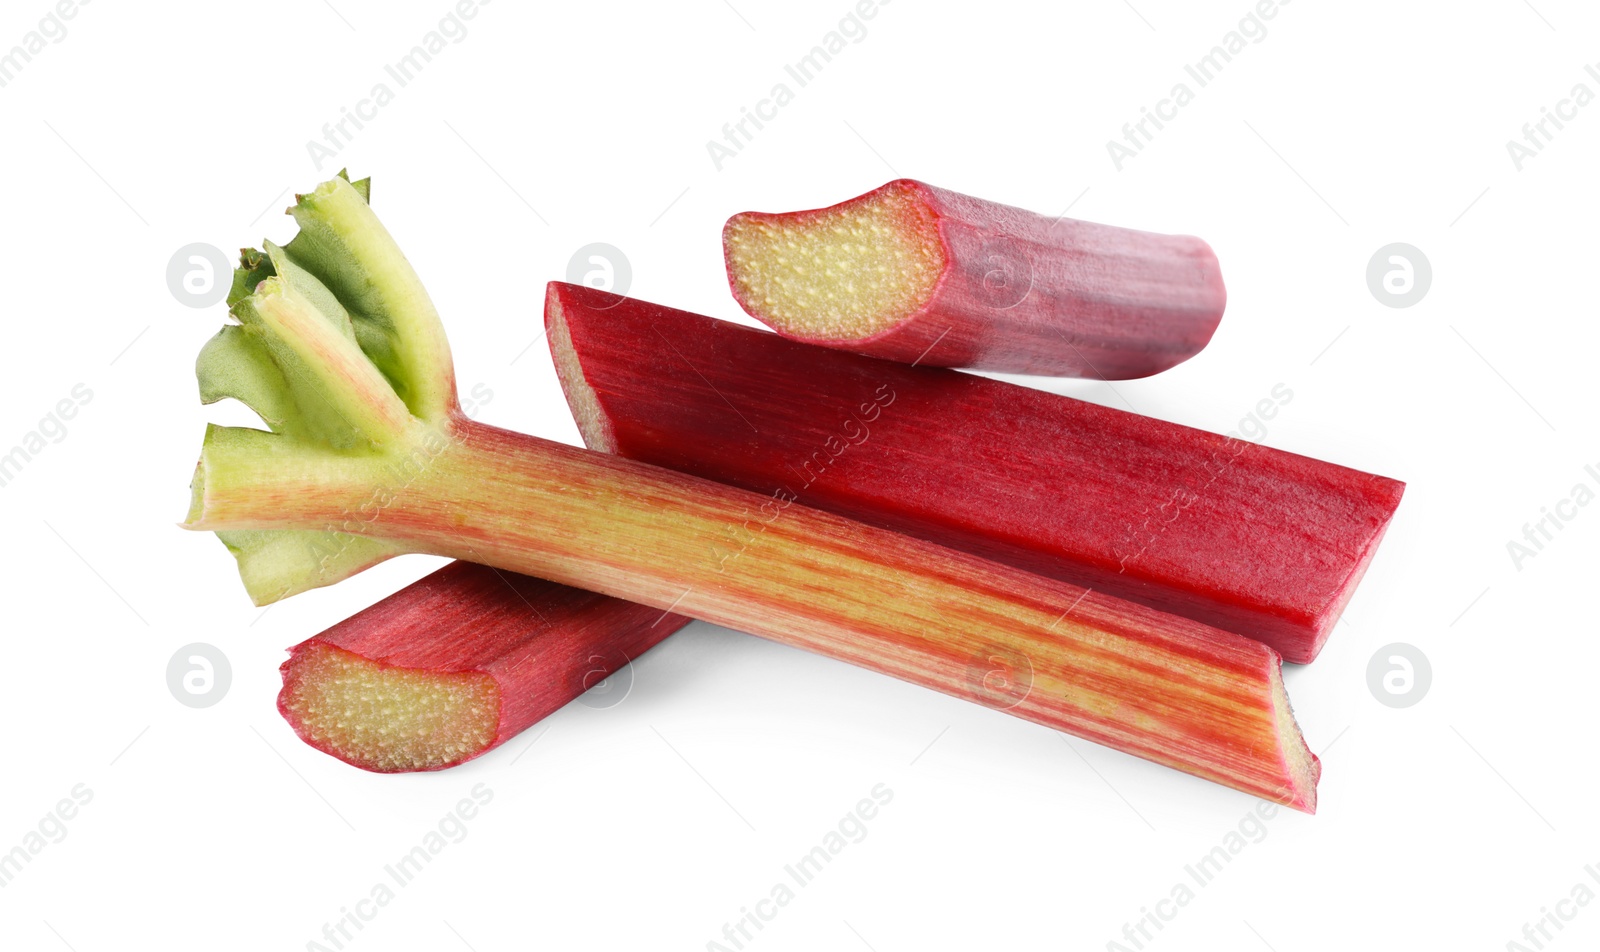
pixel 1449 824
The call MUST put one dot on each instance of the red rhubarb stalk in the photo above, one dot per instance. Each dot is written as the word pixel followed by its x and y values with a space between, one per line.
pixel 927 276
pixel 456 664
pixel 1247 538
pixel 341 352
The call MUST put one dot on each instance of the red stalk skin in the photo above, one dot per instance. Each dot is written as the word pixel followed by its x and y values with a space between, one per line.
pixel 542 643
pixel 1242 537
pixel 1031 294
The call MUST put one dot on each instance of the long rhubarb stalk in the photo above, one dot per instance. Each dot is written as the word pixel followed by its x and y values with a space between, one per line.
pixel 1247 538
pixel 456 664
pixel 924 275
pixel 340 350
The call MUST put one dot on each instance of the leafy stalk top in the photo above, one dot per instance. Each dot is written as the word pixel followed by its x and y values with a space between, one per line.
pixel 339 350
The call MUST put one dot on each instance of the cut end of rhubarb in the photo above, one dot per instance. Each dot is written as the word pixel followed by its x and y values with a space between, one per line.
pixel 585 403
pixel 842 273
pixel 384 718
pixel 923 275
pixel 1301 766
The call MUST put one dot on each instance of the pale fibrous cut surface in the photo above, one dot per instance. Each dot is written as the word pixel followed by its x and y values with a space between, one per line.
pixel 844 272
pixel 386 718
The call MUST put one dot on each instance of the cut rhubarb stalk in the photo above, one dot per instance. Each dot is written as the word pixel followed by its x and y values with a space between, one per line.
pixel 340 333
pixel 456 664
pixel 1247 538
pixel 923 275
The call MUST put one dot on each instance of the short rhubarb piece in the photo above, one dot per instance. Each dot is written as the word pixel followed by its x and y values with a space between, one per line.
pixel 927 276
pixel 1244 537
pixel 456 664
pixel 369 455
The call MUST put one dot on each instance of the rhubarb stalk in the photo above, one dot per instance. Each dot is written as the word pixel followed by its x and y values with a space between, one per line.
pixel 456 664
pixel 369 456
pixel 1244 537
pixel 924 275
